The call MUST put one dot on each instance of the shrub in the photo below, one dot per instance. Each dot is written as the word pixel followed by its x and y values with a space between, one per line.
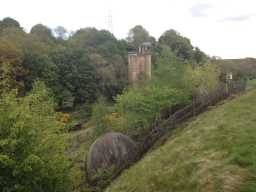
pixel 31 147
pixel 205 77
pixel 101 117
pixel 138 109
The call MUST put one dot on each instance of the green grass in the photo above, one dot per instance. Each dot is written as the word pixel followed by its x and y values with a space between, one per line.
pixel 251 84
pixel 214 152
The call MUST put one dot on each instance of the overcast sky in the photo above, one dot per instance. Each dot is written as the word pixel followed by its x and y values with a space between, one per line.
pixel 225 28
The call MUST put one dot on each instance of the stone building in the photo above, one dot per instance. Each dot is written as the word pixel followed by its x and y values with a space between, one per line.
pixel 139 62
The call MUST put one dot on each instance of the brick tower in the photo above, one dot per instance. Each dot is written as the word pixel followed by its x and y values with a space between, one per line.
pixel 139 62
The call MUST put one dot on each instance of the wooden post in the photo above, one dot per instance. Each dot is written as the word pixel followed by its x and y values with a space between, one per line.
pixel 194 105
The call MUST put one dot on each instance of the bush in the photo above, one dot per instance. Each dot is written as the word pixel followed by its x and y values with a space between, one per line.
pixel 205 77
pixel 140 108
pixel 101 117
pixel 31 147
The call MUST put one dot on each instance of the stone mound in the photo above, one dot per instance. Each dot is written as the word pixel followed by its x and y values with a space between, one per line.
pixel 113 151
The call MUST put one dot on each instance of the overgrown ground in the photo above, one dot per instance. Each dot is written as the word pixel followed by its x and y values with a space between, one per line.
pixel 214 152
pixel 78 151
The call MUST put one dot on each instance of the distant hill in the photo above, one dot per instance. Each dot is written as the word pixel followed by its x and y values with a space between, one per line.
pixel 213 152
pixel 240 67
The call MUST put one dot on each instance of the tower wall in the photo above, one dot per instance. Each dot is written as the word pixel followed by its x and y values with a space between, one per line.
pixel 138 64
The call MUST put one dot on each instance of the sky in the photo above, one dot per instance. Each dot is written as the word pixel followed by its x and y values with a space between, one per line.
pixel 225 28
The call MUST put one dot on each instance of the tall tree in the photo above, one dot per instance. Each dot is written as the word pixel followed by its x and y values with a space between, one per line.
pixel 138 35
pixel 8 23
pixel 107 55
pixel 77 79
pixel 180 45
pixel 199 56
pixel 43 33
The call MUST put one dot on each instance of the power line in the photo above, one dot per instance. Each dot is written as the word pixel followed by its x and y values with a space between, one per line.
pixel 110 21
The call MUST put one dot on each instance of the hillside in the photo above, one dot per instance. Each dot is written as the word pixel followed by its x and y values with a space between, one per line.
pixel 213 152
pixel 245 68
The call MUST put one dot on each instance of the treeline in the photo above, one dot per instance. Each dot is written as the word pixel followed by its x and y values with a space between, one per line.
pixel 77 67
pixel 240 68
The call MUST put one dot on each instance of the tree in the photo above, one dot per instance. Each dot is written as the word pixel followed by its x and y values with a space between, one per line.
pixel 76 77
pixel 91 38
pixel 43 33
pixel 169 70
pixel 8 23
pixel 199 56
pixel 38 66
pixel 32 148
pixel 139 35
pixel 113 77
pixel 107 55
pixel 180 45
pixel 202 79
pixel 11 71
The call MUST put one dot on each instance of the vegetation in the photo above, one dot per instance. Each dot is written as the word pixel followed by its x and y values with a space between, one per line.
pixel 31 144
pixel 172 86
pixel 138 35
pixel 46 72
pixel 241 68
pixel 76 70
pixel 137 117
pixel 213 152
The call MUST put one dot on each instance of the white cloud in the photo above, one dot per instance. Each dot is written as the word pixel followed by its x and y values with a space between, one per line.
pixel 200 10
pixel 238 18
pixel 226 39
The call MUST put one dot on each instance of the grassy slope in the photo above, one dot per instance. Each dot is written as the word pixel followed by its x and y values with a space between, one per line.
pixel 214 152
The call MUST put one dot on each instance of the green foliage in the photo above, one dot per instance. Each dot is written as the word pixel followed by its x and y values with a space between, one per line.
pixel 76 69
pixel 76 80
pixel 108 55
pixel 205 77
pixel 199 57
pixel 31 146
pixel 100 117
pixel 240 68
pixel 251 84
pixel 8 23
pixel 138 35
pixel 39 67
pixel 168 69
pixel 90 38
pixel 103 178
pixel 180 45
pixel 10 66
pixel 172 85
pixel 43 33
pixel 113 77
pixel 140 108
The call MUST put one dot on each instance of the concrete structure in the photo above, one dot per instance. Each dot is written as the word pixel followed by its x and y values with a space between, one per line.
pixel 139 62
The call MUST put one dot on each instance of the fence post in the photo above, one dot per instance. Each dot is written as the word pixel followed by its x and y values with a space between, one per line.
pixel 194 105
